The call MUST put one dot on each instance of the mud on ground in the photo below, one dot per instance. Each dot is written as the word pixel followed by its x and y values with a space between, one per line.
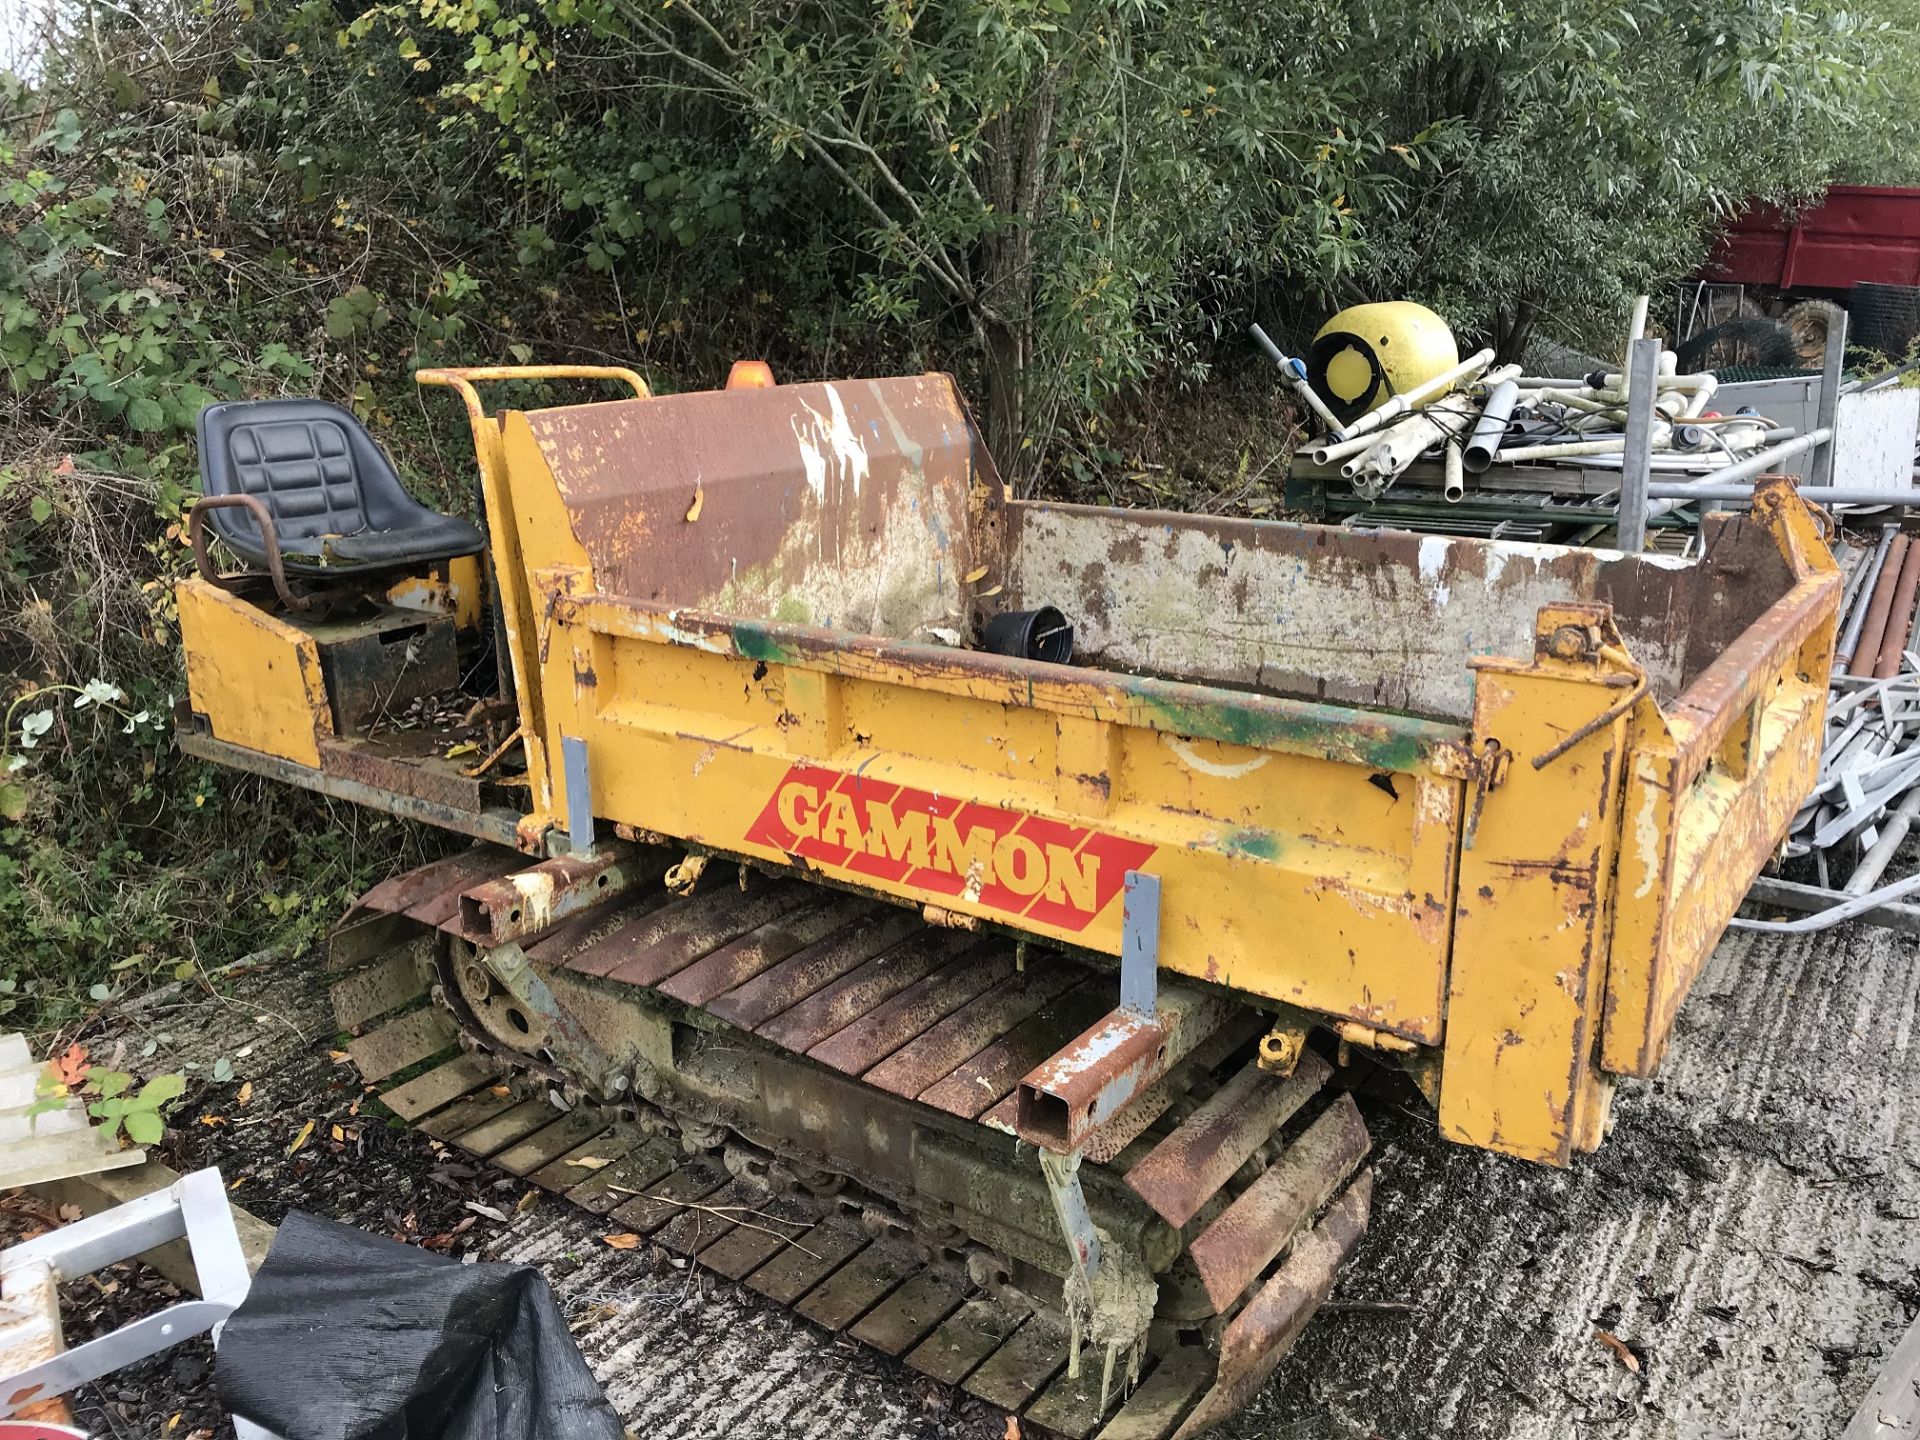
pixel 1748 1240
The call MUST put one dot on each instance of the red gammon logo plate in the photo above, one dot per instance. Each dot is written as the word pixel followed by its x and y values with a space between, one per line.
pixel 1052 873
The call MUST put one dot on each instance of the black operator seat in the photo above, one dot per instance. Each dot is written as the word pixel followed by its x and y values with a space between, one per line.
pixel 336 504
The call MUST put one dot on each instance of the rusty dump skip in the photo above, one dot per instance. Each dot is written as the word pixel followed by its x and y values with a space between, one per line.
pixel 842 505
pixel 1381 618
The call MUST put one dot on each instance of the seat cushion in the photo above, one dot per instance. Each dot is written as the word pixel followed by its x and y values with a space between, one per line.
pixel 441 537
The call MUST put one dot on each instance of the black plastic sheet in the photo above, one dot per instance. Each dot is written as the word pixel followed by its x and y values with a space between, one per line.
pixel 349 1336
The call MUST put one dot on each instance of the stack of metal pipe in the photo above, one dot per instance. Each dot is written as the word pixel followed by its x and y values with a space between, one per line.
pixel 1867 795
pixel 1475 416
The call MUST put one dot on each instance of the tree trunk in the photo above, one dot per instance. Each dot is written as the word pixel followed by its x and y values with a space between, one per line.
pixel 1019 142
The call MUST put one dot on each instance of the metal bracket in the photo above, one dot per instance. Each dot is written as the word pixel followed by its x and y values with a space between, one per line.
pixel 573 764
pixel 1140 944
pixel 574 1047
pixel 195 1209
pixel 1070 1205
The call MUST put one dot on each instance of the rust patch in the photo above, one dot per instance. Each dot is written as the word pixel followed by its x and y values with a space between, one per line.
pixel 849 506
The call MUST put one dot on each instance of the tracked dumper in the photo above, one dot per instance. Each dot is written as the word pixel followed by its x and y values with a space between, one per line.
pixel 993 1009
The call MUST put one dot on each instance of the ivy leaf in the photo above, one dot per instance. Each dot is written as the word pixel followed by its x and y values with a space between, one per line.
pixel 145 1127
pixel 223 1069
pixel 41 509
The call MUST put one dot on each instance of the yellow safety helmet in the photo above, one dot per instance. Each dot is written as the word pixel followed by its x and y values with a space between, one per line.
pixel 1367 354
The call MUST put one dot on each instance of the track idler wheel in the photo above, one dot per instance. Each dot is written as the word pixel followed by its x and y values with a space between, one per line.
pixel 499 1016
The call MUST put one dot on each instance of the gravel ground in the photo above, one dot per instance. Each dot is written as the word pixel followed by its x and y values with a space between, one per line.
pixel 1744 1242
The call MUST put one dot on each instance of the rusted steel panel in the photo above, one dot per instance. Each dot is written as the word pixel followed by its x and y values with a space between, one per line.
pixel 842 505
pixel 529 901
pixel 1243 1241
pixel 574 936
pixel 376 667
pixel 838 1005
pixel 970 1029
pixel 676 935
pixel 892 1023
pixel 1364 617
pixel 1082 1087
pixel 1262 1333
pixel 738 961
pixel 992 1076
pixel 1190 1165
pixel 801 975
pixel 798 1268
pixel 398 894
pixel 492 824
pixel 407 763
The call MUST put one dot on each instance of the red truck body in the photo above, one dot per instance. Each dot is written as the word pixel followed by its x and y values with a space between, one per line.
pixel 1858 233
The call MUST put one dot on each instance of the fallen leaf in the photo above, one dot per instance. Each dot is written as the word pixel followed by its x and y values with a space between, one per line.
pixel 699 499
pixel 501 1090
pixel 488 1211
pixel 70 1066
pixel 1013 1427
pixel 974 577
pixel 174 1423
pixel 65 467
pixel 527 1202
pixel 622 1241
pixel 238 1181
pixel 1622 1351
pixel 339 1133
pixel 70 1213
pixel 990 592
pixel 306 1133
pixel 590 1162
pixel 246 1094
pixel 339 1057
pixel 465 747
pixel 211 1120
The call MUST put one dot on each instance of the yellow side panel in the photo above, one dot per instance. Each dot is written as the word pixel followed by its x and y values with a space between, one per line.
pixel 1320 882
pixel 1530 932
pixel 255 677
pixel 1685 865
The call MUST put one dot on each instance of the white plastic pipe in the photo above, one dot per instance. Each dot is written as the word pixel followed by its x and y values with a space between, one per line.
pixel 1637 327
pixel 1573 449
pixel 1700 398
pixel 1418 395
pixel 1340 449
pixel 1574 400
pixel 1617 384
pixel 1443 421
pixel 1454 486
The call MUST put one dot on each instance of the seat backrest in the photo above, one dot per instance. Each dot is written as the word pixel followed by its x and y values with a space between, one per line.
pixel 311 463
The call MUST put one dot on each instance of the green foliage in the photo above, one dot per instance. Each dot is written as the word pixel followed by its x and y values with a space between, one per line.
pixel 141 1112
pixel 1070 190
pixel 1576 156
pixel 113 1100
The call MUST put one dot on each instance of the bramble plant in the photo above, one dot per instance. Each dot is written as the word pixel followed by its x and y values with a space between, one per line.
pixel 109 1094
pixel 100 695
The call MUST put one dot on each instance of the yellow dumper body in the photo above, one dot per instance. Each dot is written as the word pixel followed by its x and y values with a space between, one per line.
pixel 1481 807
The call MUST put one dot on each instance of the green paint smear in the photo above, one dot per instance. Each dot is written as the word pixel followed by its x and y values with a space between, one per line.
pixel 1378 744
pixel 754 643
pixel 1260 844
